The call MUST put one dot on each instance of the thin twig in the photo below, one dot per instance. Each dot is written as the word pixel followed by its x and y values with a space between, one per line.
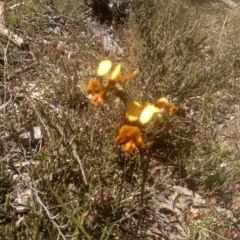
pixel 5 73
pixel 2 107
pixel 34 190
pixel 213 233
pixel 221 34
pixel 80 164
pixel 15 5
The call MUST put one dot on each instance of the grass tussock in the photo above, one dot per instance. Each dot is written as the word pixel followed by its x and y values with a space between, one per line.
pixel 85 186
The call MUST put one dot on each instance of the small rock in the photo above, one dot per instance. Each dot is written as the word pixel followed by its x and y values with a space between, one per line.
pixel 21 204
pixel 32 136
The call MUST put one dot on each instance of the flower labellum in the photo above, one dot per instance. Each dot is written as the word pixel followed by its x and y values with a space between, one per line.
pixel 96 91
pixel 94 86
pixel 165 106
pixel 131 137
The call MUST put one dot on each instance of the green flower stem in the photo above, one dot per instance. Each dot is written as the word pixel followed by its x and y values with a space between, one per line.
pixel 145 167
pixel 120 92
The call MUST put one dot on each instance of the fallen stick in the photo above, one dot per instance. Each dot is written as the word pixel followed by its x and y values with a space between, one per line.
pixel 80 165
pixel 14 38
pixel 229 3
pixel 16 5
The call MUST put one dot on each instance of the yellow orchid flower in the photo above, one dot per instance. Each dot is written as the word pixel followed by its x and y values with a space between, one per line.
pixel 166 107
pixel 96 91
pixel 131 137
pixel 115 78
pixel 143 114
pixel 95 87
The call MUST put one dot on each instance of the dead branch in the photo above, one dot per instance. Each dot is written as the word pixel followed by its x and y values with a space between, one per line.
pixel 50 216
pixel 80 164
pixel 229 3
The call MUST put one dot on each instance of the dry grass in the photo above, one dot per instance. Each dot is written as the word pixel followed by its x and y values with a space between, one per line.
pixel 188 53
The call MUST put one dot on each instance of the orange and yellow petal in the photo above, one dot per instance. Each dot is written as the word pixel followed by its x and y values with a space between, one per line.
pixel 165 107
pixel 173 110
pixel 116 78
pixel 96 91
pixel 116 72
pixel 133 111
pixel 94 86
pixel 131 137
pixel 129 146
pixel 147 113
pixel 125 134
pixel 122 78
pixel 97 98
pixel 104 67
pixel 139 142
pixel 162 102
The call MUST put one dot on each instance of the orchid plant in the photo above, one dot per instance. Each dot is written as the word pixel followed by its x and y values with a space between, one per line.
pixel 137 115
